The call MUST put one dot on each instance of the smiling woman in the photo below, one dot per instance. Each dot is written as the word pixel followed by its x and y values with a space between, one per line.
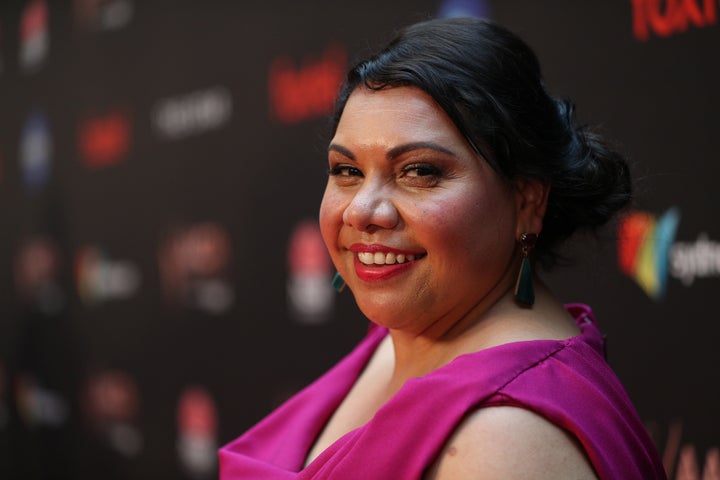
pixel 403 179
pixel 452 171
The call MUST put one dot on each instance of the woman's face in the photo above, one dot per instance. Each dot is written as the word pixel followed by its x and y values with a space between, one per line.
pixel 419 226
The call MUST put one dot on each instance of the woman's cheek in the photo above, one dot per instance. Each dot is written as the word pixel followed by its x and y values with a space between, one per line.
pixel 448 213
pixel 330 218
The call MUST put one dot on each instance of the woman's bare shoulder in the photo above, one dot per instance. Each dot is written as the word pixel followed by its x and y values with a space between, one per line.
pixel 509 442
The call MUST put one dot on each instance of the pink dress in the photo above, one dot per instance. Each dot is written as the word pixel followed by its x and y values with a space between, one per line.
pixel 567 381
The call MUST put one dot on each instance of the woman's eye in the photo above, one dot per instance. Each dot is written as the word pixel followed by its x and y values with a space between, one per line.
pixel 344 171
pixel 421 171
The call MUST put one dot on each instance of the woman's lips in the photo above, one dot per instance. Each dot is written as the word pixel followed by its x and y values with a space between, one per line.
pixel 378 262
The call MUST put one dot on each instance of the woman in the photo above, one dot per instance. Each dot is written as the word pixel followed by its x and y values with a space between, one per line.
pixel 450 169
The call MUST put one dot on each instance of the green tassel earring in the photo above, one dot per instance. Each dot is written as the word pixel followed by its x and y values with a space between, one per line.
pixel 338 283
pixel 524 292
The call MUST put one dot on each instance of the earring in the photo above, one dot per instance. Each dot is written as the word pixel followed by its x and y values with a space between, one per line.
pixel 338 283
pixel 524 292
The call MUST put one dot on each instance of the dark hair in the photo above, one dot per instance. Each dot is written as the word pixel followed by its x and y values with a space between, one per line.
pixel 489 83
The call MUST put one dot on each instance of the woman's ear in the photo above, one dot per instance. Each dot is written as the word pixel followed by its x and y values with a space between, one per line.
pixel 531 199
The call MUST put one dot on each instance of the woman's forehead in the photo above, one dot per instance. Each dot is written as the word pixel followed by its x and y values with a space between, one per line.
pixel 398 111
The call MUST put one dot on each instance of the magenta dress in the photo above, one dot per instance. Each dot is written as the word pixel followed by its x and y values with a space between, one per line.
pixel 567 381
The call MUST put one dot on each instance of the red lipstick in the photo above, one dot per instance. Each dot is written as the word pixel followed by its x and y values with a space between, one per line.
pixel 377 272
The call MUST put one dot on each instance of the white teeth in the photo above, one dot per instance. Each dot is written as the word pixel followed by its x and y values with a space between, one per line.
pixel 379 258
pixel 368 258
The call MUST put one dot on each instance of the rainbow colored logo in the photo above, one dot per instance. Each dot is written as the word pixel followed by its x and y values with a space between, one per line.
pixel 644 243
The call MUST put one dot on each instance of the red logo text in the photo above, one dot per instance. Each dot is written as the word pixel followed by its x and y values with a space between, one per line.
pixel 665 18
pixel 297 94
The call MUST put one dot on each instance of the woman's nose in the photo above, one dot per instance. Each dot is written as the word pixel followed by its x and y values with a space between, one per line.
pixel 371 208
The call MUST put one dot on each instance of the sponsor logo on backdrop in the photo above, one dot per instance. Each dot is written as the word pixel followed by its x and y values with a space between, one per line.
pixel 197 433
pixel 644 246
pixel 193 113
pixel 194 261
pixel 35 151
pixel 309 290
pixel 680 459
pixel 694 260
pixel 688 466
pixel 306 91
pixel 103 14
pixel 464 8
pixel 664 19
pixel 649 253
pixel 100 278
pixel 36 275
pixel 34 35
pixel 104 141
pixel 111 402
pixel 37 405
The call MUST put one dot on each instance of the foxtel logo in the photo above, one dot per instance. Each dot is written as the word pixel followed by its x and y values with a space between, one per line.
pixel 672 16
pixel 307 91
pixel 648 252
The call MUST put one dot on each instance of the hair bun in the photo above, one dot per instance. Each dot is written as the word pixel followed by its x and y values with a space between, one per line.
pixel 592 184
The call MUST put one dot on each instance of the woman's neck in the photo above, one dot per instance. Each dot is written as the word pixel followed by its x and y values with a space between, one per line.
pixel 416 354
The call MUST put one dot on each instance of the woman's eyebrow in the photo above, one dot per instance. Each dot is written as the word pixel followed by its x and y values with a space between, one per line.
pixel 395 151
pixel 334 147
pixel 407 147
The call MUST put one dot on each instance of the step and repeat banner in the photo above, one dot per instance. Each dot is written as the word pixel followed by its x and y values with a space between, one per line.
pixel 163 283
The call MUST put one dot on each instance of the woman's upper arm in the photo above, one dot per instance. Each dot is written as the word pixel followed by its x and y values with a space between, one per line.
pixel 509 442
